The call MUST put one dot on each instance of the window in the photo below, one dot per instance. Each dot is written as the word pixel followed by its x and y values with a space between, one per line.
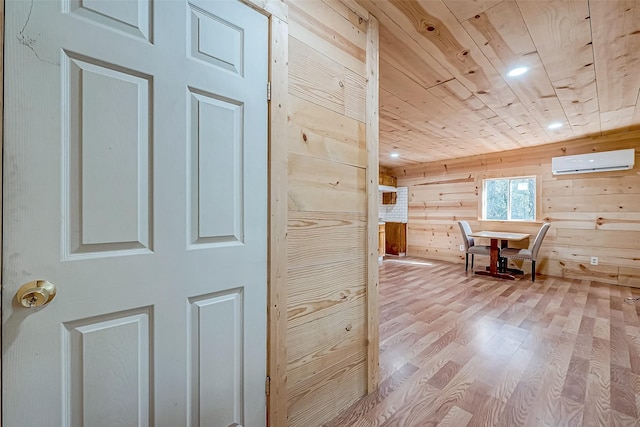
pixel 509 199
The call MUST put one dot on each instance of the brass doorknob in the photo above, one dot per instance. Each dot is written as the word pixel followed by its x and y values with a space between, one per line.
pixel 36 293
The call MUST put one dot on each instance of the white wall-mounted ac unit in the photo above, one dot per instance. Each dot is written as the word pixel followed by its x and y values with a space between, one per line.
pixel 594 162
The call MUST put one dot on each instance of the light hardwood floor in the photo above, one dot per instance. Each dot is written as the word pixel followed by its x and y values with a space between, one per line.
pixel 457 349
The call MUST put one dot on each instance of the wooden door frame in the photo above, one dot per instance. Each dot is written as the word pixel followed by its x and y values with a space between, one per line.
pixel 276 381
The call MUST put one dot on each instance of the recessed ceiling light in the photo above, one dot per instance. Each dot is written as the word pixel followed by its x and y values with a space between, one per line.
pixel 394 155
pixel 555 125
pixel 517 71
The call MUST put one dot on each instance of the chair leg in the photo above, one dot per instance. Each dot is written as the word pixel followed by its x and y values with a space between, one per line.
pixel 533 271
pixel 472 255
pixel 466 262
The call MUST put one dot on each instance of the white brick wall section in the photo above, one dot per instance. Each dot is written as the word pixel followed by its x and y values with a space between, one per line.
pixel 398 212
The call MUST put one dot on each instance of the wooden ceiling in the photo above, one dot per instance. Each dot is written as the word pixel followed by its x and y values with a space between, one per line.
pixel 444 89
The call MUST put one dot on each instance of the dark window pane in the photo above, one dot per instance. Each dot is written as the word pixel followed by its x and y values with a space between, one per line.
pixel 523 196
pixel 497 199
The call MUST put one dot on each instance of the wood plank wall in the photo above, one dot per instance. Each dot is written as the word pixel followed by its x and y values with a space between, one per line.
pixel 594 214
pixel 327 230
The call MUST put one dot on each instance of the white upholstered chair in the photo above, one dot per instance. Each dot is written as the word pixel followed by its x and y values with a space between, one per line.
pixel 530 254
pixel 470 245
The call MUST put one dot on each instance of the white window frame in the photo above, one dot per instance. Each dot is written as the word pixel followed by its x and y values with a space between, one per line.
pixel 509 178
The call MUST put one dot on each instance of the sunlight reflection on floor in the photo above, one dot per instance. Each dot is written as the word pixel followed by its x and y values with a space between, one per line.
pixel 407 261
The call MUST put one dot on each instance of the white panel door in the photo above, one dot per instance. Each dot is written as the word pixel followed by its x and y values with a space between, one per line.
pixel 135 180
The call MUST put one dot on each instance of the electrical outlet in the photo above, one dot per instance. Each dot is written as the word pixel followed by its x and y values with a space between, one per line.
pixel 461 248
pixel 594 260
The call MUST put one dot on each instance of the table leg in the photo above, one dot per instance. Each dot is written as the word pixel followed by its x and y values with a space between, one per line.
pixel 493 266
pixel 502 263
pixel 503 266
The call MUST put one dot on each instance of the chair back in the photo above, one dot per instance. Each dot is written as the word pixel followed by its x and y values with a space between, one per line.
pixel 465 228
pixel 538 242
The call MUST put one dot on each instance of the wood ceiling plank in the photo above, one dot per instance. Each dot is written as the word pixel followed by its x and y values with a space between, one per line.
pixel 424 149
pixel 620 118
pixel 436 131
pixel 429 108
pixel 561 32
pixel 423 146
pixel 414 139
pixel 398 141
pixel 616 48
pixel 385 160
pixel 409 57
pixel 465 9
pixel 579 98
pixel 395 81
pixel 518 117
pixel 436 29
pixel 501 34
pixel 477 107
pixel 393 106
pixel 458 97
pixel 402 123
pixel 391 123
pixel 411 142
pixel 390 146
pixel 465 103
pixel 636 115
pixel 440 34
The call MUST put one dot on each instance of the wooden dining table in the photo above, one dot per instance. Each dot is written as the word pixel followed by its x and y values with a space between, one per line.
pixel 504 237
